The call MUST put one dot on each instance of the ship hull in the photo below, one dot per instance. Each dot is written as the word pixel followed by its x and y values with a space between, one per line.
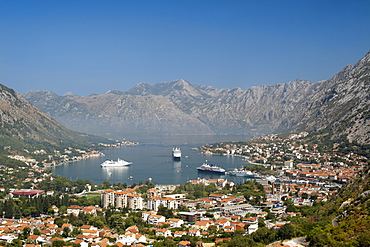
pixel 118 163
pixel 210 171
pixel 176 154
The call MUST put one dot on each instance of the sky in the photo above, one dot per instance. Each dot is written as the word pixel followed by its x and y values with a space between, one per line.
pixel 93 46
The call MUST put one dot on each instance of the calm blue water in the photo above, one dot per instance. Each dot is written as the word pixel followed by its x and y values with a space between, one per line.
pixel 152 159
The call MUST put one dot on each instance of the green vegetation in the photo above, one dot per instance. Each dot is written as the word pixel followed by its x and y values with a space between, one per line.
pixel 31 207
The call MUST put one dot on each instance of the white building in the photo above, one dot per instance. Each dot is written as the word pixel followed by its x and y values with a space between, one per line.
pixel 155 219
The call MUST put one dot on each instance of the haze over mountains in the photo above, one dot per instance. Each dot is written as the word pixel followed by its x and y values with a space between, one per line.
pixel 339 105
pixel 23 126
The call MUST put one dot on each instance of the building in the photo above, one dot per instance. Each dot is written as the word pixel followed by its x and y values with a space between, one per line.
pixel 122 199
pixel 155 202
pixel 191 216
pixel 155 219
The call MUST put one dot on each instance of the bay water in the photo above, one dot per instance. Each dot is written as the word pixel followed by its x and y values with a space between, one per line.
pixel 152 159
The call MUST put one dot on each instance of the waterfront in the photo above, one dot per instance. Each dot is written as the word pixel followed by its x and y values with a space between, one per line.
pixel 152 159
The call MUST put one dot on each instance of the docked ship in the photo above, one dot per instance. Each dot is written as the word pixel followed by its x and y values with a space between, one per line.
pixel 176 153
pixel 210 168
pixel 243 173
pixel 113 163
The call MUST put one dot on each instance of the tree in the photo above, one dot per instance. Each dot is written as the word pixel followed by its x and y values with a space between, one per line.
pixel 16 243
pixel 264 235
pixel 304 195
pixel 162 210
pixel 242 241
pixel 106 184
pixel 59 222
pixel 63 210
pixel 36 231
pixel 287 231
pixel 211 188
pixel 76 231
pixel 58 243
pixel 66 232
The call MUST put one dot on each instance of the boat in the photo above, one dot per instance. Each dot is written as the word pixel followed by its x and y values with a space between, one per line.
pixel 176 153
pixel 113 163
pixel 243 173
pixel 205 167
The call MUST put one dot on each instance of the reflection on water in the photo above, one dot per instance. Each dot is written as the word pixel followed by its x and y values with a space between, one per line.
pixel 153 159
pixel 115 173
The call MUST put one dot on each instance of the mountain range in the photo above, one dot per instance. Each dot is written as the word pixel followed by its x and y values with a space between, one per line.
pixel 24 127
pixel 339 106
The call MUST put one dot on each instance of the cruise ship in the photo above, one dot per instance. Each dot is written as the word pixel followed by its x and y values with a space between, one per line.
pixel 243 173
pixel 176 153
pixel 210 168
pixel 113 163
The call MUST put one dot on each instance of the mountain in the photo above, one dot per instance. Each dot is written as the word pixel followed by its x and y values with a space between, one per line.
pixel 344 220
pixel 23 126
pixel 339 105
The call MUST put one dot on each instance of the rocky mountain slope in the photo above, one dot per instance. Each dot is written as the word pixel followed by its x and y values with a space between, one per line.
pixel 339 105
pixel 23 126
pixel 345 219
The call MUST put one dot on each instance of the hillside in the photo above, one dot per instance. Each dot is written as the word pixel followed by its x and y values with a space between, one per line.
pixel 23 126
pixel 345 220
pixel 339 105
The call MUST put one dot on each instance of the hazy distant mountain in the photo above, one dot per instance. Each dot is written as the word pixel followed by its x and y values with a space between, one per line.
pixel 340 104
pixel 23 126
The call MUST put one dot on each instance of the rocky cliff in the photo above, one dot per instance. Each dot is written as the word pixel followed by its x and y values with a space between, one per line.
pixel 339 104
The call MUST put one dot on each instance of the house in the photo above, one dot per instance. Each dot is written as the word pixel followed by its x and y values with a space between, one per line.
pixel 179 234
pixel 278 210
pixel 133 229
pixel 252 228
pixel 175 222
pixel 222 223
pixel 207 201
pixel 36 238
pixel 184 244
pixel 88 227
pixel 90 233
pixel 163 232
pixel 127 239
pixel 140 238
pixel 55 208
pixel 194 233
pixel 251 220
pixel 168 202
pixel 262 214
pixel 65 225
pixel 89 210
pixel 152 192
pixel 217 197
pixel 202 225
pixel 238 226
pixel 145 215
pixel 74 209
pixel 155 219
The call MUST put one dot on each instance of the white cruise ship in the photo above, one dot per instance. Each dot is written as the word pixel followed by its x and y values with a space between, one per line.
pixel 210 168
pixel 176 153
pixel 243 173
pixel 113 163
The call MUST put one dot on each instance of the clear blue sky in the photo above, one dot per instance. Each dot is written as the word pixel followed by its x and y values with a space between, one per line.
pixel 94 46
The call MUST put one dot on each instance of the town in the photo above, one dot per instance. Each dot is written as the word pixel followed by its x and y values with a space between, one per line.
pixel 293 177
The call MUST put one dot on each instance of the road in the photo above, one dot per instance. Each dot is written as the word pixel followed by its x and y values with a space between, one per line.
pixel 298 242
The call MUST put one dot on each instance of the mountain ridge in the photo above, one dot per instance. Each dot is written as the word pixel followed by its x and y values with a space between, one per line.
pixel 23 126
pixel 179 107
